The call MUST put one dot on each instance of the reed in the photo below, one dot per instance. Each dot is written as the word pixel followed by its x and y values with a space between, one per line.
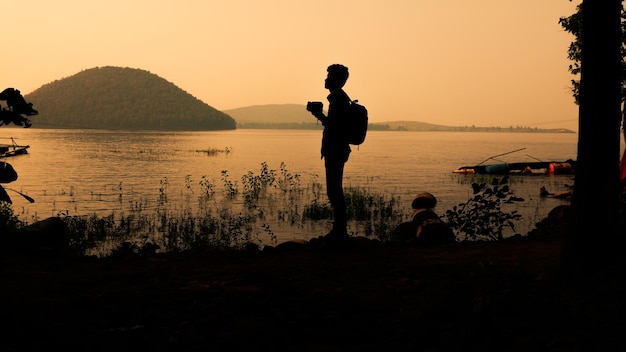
pixel 247 210
pixel 215 151
pixel 244 214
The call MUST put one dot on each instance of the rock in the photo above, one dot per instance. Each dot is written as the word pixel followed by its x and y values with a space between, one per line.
pixel 50 235
pixel 554 225
pixel 291 245
pixel 424 201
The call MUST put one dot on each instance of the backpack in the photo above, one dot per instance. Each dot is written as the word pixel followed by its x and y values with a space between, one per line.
pixel 356 124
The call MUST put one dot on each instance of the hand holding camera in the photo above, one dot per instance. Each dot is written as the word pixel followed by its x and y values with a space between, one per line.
pixel 315 107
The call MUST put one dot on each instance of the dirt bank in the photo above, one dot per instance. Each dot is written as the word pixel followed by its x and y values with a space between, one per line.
pixel 465 296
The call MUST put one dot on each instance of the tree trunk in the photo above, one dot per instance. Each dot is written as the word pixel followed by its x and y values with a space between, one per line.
pixel 594 215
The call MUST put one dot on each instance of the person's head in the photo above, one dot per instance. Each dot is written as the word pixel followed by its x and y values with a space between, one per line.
pixel 337 76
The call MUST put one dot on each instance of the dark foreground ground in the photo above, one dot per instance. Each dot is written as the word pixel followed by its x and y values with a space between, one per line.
pixel 500 296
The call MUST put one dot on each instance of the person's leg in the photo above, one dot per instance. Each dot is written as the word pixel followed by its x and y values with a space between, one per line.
pixel 334 189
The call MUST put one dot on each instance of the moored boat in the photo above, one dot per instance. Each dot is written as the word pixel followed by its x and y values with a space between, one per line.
pixel 522 168
pixel 13 149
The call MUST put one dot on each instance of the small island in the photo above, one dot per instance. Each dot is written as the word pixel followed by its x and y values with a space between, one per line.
pixel 117 98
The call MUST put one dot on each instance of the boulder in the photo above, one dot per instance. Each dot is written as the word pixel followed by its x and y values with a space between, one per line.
pixel 50 236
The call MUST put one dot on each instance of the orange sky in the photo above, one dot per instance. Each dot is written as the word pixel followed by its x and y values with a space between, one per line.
pixel 453 62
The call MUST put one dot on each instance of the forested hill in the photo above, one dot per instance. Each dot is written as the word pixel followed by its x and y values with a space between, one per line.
pixel 279 116
pixel 122 98
pixel 272 113
pixel 295 116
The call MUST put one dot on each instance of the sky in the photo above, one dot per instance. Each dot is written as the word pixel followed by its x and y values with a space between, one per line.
pixel 450 62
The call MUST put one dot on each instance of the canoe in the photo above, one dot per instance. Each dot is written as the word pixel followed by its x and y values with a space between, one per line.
pixel 522 168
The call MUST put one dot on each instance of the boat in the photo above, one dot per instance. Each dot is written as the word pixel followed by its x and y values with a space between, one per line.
pixel 519 168
pixel 13 149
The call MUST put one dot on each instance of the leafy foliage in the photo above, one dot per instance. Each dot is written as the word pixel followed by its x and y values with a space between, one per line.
pixel 8 220
pixel 574 24
pixel 482 217
pixel 123 98
pixel 256 185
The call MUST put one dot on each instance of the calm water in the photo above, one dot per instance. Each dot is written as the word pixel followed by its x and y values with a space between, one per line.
pixel 81 172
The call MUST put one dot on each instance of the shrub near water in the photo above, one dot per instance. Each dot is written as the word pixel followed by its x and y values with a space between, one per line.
pixel 482 217
pixel 8 220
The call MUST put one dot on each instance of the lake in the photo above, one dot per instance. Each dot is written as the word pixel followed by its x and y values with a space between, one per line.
pixel 83 172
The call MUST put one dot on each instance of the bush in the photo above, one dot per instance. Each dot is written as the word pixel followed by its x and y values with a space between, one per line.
pixel 8 220
pixel 482 217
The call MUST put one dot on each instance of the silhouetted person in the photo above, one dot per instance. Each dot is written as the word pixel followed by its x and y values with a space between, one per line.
pixel 335 148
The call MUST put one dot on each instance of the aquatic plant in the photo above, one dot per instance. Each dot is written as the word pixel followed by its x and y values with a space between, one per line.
pixel 377 214
pixel 230 187
pixel 256 185
pixel 482 217
pixel 215 151
pixel 163 190
pixel 288 182
pixel 89 232
pixel 207 187
pixel 269 198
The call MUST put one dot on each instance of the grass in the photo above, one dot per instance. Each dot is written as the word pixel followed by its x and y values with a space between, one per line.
pixel 230 213
pixel 244 212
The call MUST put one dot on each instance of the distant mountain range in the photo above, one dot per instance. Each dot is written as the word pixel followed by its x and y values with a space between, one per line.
pixel 287 116
pixel 274 116
pixel 133 99
pixel 271 113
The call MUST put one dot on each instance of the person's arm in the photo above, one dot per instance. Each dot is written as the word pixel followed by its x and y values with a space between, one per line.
pixel 316 108
pixel 323 118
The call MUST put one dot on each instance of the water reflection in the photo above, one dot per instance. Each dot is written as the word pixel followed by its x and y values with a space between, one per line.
pixel 80 172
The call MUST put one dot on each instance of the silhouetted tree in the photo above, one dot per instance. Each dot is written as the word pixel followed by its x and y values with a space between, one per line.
pixel 573 24
pixel 595 202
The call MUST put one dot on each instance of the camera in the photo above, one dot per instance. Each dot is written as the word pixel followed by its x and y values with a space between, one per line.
pixel 314 106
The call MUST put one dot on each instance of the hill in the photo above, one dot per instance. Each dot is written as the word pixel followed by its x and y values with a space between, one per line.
pixel 274 116
pixel 271 113
pixel 123 98
pixel 423 126
pixel 295 116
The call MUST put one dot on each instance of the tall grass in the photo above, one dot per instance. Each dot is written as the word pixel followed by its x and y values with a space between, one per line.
pixel 238 213
pixel 247 212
